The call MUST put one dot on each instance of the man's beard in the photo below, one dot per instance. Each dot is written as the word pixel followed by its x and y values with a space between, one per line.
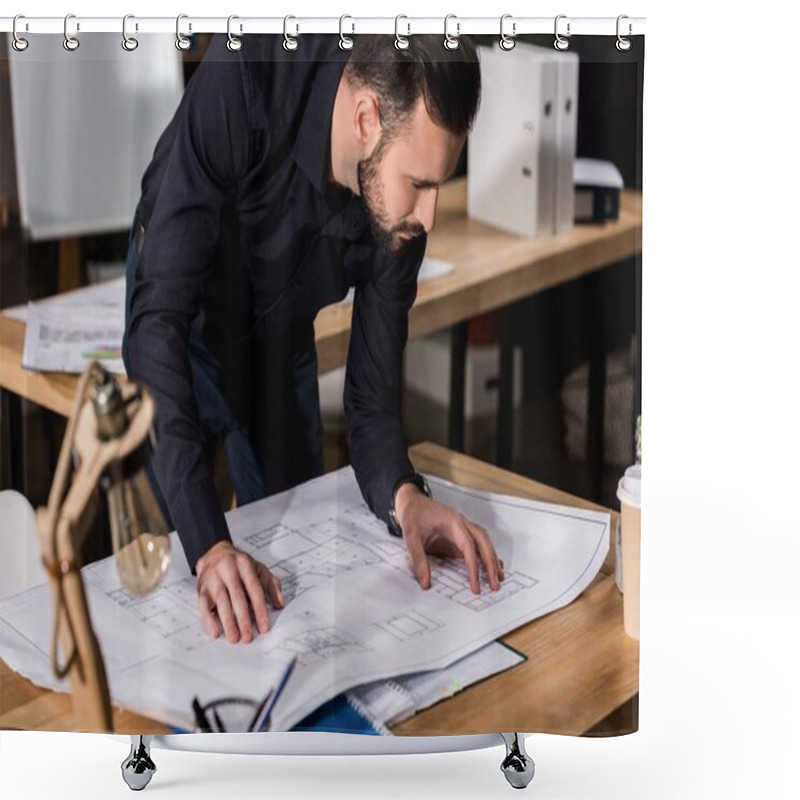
pixel 369 184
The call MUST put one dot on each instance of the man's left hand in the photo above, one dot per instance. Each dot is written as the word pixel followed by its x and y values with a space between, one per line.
pixel 432 528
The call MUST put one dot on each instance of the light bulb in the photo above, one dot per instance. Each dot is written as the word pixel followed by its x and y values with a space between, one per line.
pixel 139 534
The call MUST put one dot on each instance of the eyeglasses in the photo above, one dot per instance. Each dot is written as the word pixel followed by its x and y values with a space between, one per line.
pixel 228 714
pixel 238 710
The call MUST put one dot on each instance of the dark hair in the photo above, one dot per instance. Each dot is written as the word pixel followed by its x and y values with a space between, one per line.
pixel 448 80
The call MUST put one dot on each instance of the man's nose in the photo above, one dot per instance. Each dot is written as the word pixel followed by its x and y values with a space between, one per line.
pixel 425 210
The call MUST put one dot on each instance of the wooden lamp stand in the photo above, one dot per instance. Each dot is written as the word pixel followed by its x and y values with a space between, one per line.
pixel 63 526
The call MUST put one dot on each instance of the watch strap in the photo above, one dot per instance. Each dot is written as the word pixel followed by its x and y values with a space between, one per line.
pixel 421 484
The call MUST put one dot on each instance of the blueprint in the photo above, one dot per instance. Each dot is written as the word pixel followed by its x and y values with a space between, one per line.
pixel 354 610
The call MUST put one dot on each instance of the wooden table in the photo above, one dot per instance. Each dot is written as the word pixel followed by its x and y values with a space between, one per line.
pixel 581 666
pixel 492 269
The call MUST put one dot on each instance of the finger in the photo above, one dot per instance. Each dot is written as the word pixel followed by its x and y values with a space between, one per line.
pixel 488 555
pixel 255 592
pixel 274 590
pixel 241 609
pixel 464 540
pixel 419 560
pixel 502 568
pixel 271 586
pixel 207 615
pixel 225 614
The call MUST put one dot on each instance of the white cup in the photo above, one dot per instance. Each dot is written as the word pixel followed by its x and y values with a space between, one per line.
pixel 629 493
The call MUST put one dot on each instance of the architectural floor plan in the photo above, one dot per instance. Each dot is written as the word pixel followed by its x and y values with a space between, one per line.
pixel 354 610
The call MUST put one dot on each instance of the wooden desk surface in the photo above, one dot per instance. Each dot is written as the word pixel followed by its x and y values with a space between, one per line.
pixel 492 269
pixel 581 666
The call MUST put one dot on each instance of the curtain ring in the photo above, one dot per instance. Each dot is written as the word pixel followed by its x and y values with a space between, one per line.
pixel 507 42
pixel 289 43
pixel 234 44
pixel 19 44
pixel 401 42
pixel 623 44
pixel 128 42
pixel 450 41
pixel 70 42
pixel 181 41
pixel 561 43
pixel 345 42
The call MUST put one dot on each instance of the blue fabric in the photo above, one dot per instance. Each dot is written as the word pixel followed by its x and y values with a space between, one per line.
pixel 336 716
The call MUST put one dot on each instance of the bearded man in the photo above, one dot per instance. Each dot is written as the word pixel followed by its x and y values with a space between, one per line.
pixel 284 179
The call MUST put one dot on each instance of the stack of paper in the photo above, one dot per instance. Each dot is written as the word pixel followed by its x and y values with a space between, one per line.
pixel 67 332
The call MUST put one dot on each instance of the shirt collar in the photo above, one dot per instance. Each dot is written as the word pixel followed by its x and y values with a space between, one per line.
pixel 313 144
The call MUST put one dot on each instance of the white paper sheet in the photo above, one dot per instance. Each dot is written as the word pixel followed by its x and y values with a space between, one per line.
pixel 429 269
pixel 354 612
pixel 106 297
pixel 66 332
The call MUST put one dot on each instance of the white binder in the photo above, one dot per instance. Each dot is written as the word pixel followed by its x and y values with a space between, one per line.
pixel 567 138
pixel 522 146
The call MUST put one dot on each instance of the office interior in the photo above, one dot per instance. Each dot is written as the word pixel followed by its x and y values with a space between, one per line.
pixel 577 346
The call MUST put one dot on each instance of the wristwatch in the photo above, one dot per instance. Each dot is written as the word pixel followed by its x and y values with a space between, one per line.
pixel 421 484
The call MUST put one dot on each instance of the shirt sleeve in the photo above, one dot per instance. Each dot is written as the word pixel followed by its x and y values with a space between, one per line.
pixel 209 150
pixel 373 382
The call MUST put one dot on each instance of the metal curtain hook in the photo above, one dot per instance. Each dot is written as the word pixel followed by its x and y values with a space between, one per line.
pixel 288 42
pixel 345 42
pixel 450 41
pixel 507 42
pixel 401 42
pixel 233 44
pixel 70 42
pixel 128 42
pixel 19 44
pixel 561 43
pixel 181 41
pixel 623 44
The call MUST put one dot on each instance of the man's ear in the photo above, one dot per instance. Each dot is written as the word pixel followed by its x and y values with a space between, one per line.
pixel 366 123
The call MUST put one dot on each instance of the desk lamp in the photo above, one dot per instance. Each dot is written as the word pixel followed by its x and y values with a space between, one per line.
pixel 107 444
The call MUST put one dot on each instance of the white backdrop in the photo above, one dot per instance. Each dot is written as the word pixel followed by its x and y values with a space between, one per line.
pixel 720 700
pixel 85 133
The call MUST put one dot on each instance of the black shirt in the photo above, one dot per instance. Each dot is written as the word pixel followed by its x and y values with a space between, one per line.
pixel 244 232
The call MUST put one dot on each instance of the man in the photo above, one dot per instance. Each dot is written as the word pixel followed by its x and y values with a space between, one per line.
pixel 284 179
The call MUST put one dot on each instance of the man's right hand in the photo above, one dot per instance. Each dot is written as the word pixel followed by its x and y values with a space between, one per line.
pixel 229 583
